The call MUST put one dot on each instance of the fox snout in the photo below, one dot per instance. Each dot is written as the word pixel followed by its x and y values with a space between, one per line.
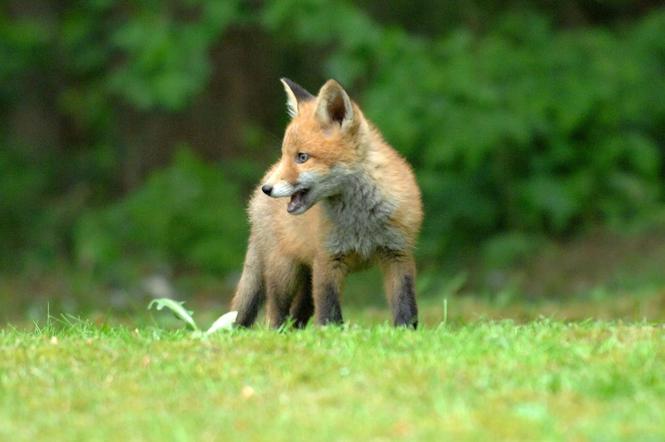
pixel 280 189
pixel 299 195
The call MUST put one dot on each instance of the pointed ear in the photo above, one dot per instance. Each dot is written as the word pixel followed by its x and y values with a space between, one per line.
pixel 294 94
pixel 334 105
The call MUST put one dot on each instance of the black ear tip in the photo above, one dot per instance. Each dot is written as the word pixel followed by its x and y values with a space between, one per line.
pixel 290 83
pixel 300 92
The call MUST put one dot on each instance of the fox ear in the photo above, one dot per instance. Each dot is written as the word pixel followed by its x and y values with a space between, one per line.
pixel 334 105
pixel 294 94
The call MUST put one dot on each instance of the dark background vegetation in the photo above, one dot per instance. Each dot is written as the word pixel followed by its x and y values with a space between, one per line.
pixel 131 134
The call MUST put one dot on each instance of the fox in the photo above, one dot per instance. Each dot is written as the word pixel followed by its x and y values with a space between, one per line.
pixel 339 200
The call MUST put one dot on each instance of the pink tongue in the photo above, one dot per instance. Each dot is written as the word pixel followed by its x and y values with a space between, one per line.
pixel 295 202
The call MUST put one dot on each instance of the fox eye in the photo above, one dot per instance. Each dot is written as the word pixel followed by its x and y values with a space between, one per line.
pixel 301 157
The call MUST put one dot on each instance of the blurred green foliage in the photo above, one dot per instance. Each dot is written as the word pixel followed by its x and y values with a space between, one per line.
pixel 522 121
pixel 528 129
pixel 187 214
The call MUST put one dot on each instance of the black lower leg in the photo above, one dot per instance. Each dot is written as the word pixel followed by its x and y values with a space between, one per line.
pixel 405 310
pixel 303 305
pixel 329 309
pixel 249 310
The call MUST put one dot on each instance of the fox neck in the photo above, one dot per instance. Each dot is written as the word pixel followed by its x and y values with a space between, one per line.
pixel 360 216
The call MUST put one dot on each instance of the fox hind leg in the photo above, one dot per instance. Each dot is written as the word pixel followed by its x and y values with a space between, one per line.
pixel 250 292
pixel 399 273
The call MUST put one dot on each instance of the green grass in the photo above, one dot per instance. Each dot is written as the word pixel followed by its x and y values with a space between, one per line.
pixel 482 380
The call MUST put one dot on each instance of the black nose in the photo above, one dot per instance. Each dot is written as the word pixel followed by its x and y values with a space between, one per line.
pixel 267 189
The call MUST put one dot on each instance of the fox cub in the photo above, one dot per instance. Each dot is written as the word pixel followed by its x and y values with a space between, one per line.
pixel 339 199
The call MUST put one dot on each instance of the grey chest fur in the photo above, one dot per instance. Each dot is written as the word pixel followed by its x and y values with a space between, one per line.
pixel 360 219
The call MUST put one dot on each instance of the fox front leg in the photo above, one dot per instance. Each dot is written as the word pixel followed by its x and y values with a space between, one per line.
pixel 399 272
pixel 327 279
pixel 282 281
pixel 302 307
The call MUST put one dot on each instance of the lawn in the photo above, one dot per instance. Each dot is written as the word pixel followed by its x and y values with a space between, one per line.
pixel 484 379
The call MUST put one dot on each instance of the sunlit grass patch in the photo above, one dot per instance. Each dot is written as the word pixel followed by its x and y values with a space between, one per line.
pixel 483 380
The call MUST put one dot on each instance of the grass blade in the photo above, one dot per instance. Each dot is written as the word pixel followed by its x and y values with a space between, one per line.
pixel 176 307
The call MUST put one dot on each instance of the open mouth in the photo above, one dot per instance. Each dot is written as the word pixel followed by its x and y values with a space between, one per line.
pixel 297 203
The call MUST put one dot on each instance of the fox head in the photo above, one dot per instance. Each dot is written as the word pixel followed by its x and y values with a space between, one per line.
pixel 322 144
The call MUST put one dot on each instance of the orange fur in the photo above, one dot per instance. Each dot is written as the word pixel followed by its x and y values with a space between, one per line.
pixel 350 170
